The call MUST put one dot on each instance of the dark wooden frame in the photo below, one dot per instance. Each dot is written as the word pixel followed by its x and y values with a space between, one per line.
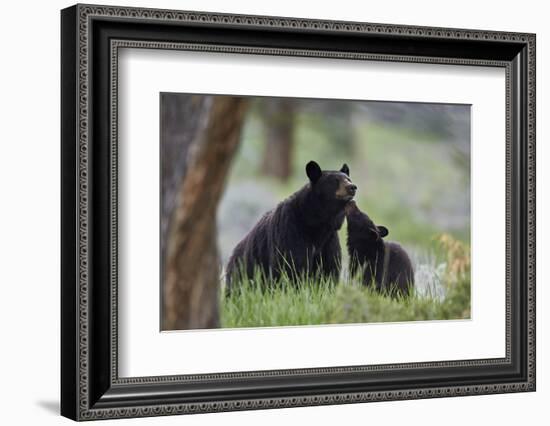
pixel 90 38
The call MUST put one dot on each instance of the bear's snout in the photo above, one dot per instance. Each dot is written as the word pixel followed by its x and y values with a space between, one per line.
pixel 352 189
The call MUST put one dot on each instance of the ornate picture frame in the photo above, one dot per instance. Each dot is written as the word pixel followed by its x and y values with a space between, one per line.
pixel 91 37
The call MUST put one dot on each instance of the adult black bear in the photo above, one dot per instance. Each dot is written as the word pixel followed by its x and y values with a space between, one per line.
pixel 384 263
pixel 298 237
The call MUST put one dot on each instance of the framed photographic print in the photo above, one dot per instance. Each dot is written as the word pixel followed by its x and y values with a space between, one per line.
pixel 263 212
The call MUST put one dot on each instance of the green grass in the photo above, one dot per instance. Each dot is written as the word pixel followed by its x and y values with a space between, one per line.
pixel 315 302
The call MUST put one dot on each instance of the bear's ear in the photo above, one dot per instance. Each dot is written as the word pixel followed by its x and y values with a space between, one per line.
pixel 345 169
pixel 383 231
pixel 313 171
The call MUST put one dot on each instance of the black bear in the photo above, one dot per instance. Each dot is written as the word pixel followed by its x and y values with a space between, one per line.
pixel 299 236
pixel 385 264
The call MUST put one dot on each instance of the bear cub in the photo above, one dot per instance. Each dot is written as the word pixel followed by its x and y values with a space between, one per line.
pixel 386 264
pixel 299 236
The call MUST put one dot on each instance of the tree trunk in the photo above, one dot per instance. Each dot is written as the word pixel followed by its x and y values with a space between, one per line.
pixel 279 119
pixel 192 272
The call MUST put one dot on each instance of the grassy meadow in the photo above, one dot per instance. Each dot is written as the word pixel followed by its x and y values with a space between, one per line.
pixel 411 165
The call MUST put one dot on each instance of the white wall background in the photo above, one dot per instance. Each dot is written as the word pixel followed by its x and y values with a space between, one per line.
pixel 29 217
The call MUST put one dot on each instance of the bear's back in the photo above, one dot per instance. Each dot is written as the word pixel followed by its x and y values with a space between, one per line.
pixel 400 271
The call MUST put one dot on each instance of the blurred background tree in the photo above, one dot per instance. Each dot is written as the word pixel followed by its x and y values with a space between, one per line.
pixel 278 118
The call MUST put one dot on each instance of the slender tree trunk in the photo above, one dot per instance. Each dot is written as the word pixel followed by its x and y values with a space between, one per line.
pixel 339 126
pixel 192 272
pixel 279 119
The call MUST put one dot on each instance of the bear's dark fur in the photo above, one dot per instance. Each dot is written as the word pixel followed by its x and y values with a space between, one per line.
pixel 298 237
pixel 385 264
